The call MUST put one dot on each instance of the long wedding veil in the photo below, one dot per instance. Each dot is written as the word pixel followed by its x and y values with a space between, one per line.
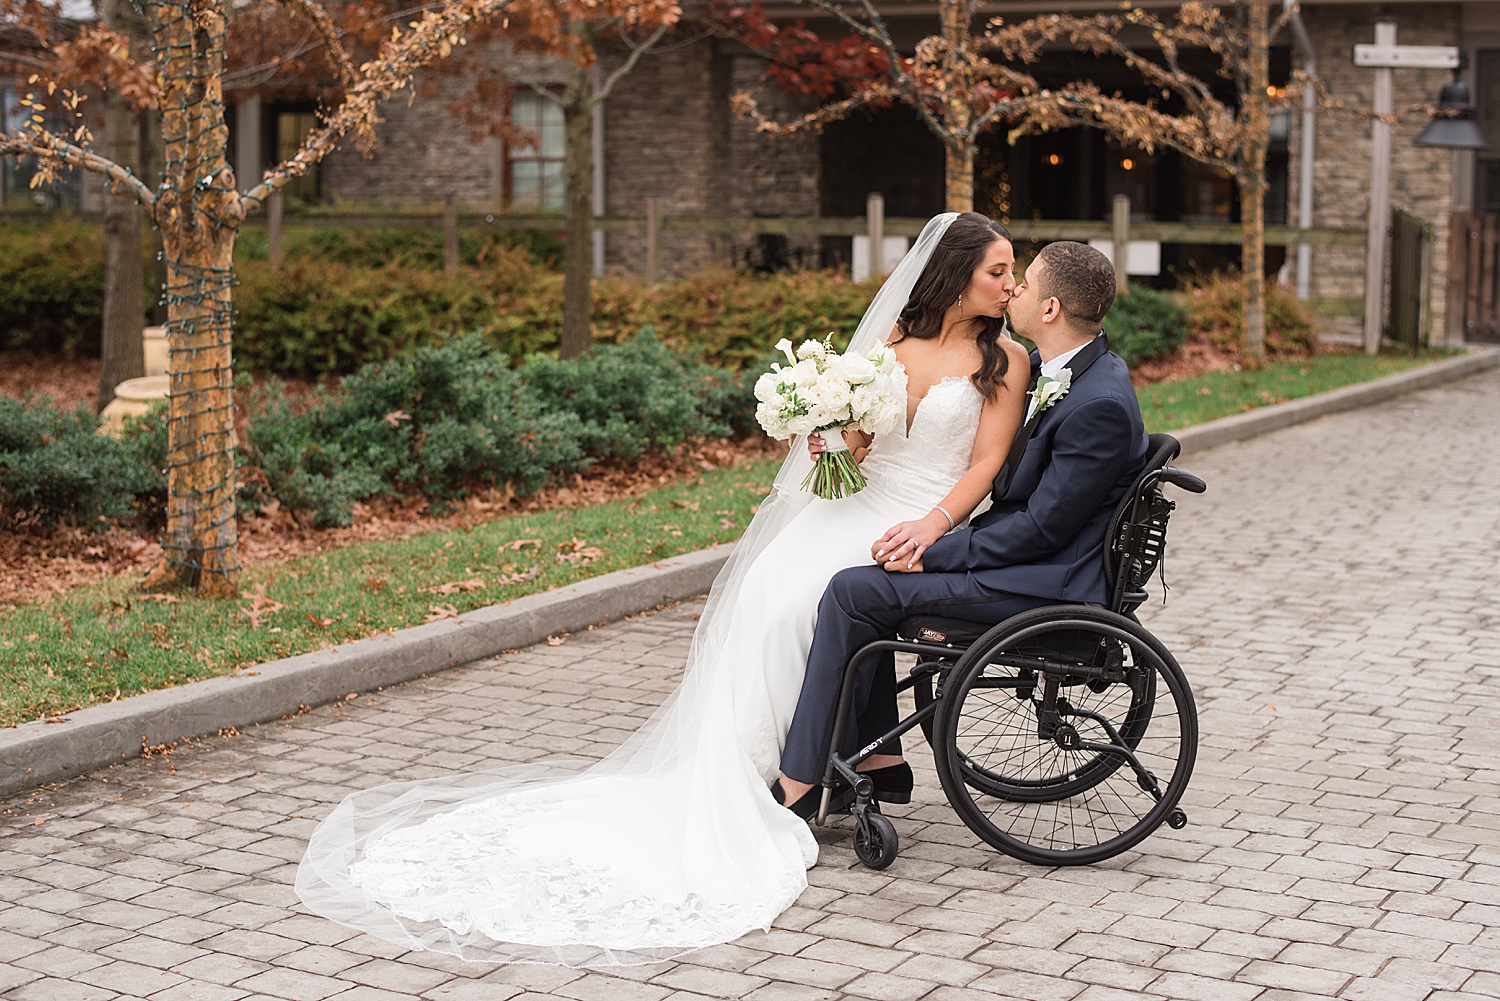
pixel 676 813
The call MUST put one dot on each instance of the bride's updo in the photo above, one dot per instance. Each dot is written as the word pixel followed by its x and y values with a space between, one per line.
pixel 947 274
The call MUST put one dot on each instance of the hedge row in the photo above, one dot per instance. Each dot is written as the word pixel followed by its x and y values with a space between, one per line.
pixel 441 422
pixel 348 297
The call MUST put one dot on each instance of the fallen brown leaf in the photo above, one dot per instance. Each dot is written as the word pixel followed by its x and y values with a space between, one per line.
pixel 260 605
pixel 441 612
pixel 454 587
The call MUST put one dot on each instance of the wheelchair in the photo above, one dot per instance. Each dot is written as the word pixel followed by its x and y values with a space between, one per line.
pixel 1066 734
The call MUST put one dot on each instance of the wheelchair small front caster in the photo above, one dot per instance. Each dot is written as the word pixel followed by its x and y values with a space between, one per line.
pixel 875 840
pixel 1177 820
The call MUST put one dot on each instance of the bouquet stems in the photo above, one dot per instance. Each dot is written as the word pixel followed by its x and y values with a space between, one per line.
pixel 835 475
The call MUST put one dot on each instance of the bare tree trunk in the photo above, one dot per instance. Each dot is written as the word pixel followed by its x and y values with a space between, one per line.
pixel 958 190
pixel 153 163
pixel 199 213
pixel 120 343
pixel 958 72
pixel 1253 214
pixel 578 254
pixel 1251 177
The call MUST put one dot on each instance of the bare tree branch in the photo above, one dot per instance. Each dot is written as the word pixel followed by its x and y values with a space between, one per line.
pixel 605 88
pixel 329 34
pixel 46 146
pixel 20 60
pixel 431 38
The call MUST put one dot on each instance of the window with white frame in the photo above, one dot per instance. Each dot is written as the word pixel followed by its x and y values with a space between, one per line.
pixel 534 155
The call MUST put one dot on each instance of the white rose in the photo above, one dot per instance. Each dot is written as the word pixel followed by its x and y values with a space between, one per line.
pixel 768 415
pixel 866 398
pixel 804 373
pixel 803 424
pixel 833 390
pixel 884 360
pixel 765 387
pixel 852 368
pixel 885 419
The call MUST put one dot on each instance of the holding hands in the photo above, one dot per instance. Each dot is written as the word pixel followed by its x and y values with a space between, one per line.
pixel 900 549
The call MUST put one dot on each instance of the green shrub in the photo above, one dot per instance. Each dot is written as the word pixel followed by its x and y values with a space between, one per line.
pixel 55 466
pixel 348 297
pixel 638 395
pixel 1144 324
pixel 453 417
pixel 1216 305
pixel 52 286
pixel 400 247
pixel 316 319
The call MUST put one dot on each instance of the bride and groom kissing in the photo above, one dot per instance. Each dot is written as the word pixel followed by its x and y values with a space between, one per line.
pixel 995 500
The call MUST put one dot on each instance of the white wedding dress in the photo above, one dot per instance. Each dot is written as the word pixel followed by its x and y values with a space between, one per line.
pixel 771 627
pixel 673 841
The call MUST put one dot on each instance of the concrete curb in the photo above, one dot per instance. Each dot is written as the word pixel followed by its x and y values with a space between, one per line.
pixel 34 753
pixel 1283 415
pixel 38 752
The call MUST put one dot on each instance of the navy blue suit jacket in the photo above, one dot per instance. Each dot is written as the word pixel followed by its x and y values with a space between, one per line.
pixel 1044 535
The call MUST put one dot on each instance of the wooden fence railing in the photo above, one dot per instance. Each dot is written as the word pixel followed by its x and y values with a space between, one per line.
pixel 1024 229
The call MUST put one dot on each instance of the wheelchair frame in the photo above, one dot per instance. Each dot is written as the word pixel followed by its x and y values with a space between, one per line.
pixel 1135 544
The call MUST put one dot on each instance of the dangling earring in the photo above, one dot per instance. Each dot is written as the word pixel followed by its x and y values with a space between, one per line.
pixel 960 304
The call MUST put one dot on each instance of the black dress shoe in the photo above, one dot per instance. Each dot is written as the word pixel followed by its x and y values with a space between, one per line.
pixel 893 784
pixel 807 806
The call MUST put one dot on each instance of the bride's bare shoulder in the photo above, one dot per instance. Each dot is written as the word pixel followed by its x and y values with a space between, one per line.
pixel 1020 363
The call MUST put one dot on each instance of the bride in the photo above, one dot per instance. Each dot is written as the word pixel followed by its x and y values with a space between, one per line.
pixel 674 841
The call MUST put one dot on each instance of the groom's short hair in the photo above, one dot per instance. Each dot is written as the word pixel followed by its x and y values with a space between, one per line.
pixel 1081 278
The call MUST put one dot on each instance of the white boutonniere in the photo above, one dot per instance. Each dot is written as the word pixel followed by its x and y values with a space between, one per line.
pixel 1049 390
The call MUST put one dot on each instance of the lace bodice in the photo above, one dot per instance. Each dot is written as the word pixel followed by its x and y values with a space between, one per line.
pixel 936 451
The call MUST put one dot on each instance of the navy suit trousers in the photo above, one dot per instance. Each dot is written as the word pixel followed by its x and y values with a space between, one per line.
pixel 861 605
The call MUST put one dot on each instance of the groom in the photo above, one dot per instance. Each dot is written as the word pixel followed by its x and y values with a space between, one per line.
pixel 1041 542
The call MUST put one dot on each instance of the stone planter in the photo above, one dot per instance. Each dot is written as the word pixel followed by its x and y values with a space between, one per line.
pixel 154 348
pixel 133 397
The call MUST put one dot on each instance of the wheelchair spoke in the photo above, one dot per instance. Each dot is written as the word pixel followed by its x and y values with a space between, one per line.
pixel 1119 726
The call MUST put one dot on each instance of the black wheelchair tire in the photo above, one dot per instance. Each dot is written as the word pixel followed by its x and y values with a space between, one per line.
pixel 875 840
pixel 960 787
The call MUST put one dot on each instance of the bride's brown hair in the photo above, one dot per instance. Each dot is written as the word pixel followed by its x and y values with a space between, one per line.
pixel 947 274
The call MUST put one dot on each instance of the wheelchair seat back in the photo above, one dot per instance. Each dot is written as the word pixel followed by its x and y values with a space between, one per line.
pixel 1137 535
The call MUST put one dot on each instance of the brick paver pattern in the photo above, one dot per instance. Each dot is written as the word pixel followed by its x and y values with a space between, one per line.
pixel 1333 601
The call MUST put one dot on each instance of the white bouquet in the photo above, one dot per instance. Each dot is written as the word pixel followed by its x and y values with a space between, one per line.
pixel 827 392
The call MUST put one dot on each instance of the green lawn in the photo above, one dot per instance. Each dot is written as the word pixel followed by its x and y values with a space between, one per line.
pixel 97 643
pixel 1170 405
pixel 94 643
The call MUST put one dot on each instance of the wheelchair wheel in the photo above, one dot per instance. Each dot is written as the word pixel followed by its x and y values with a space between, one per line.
pixel 1066 736
pixel 875 840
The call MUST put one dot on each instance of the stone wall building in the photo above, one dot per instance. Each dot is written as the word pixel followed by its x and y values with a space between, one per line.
pixel 668 132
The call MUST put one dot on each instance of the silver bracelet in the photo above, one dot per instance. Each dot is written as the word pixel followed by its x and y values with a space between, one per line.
pixel 939 507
